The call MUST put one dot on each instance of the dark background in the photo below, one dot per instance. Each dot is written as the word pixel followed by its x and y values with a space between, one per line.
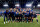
pixel 22 3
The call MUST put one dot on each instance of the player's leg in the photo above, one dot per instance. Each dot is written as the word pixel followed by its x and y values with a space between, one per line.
pixel 22 18
pixel 13 19
pixel 19 18
pixel 36 18
pixel 32 18
pixel 27 19
pixel 10 19
pixel 16 18
pixel 4 19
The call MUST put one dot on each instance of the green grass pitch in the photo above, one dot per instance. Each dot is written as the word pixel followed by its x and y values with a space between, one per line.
pixel 22 24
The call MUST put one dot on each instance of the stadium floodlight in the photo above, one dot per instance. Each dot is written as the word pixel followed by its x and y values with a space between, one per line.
pixel 17 5
pixel 28 5
pixel 38 5
pixel 5 5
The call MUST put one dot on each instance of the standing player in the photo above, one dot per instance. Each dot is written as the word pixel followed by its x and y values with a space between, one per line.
pixel 26 15
pixel 16 16
pixel 6 15
pixel 11 15
pixel 23 13
pixel 20 16
pixel 30 16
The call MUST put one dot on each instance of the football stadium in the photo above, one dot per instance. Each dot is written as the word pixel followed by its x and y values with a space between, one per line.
pixel 19 13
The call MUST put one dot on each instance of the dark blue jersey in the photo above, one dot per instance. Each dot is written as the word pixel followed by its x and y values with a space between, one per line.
pixel 21 9
pixel 31 14
pixel 6 13
pixel 11 13
pixel 34 15
pixel 26 14
pixel 16 14
pixel 30 11
pixel 23 13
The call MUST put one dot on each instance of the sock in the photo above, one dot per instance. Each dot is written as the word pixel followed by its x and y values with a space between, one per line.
pixel 27 19
pixel 32 20
pixel 37 20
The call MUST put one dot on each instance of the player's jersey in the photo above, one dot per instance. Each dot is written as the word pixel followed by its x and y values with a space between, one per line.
pixel 31 14
pixel 26 14
pixel 34 15
pixel 25 10
pixel 21 9
pixel 16 14
pixel 30 11
pixel 11 13
pixel 6 13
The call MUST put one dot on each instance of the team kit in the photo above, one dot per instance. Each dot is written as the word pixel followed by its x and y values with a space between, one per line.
pixel 19 15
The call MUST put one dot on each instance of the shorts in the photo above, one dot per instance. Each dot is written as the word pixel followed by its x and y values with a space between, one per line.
pixel 34 16
pixel 16 15
pixel 20 15
pixel 26 15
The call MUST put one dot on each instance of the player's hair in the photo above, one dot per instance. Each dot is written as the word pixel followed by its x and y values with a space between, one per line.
pixel 6 10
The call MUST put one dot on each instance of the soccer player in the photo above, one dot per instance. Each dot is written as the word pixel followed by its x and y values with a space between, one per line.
pixel 30 16
pixel 16 16
pixel 11 14
pixel 20 9
pixel 13 17
pixel 30 10
pixel 6 15
pixel 20 16
pixel 26 15
pixel 35 16
pixel 23 13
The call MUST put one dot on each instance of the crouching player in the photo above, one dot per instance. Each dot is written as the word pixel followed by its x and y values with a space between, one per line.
pixel 6 15
pixel 34 16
